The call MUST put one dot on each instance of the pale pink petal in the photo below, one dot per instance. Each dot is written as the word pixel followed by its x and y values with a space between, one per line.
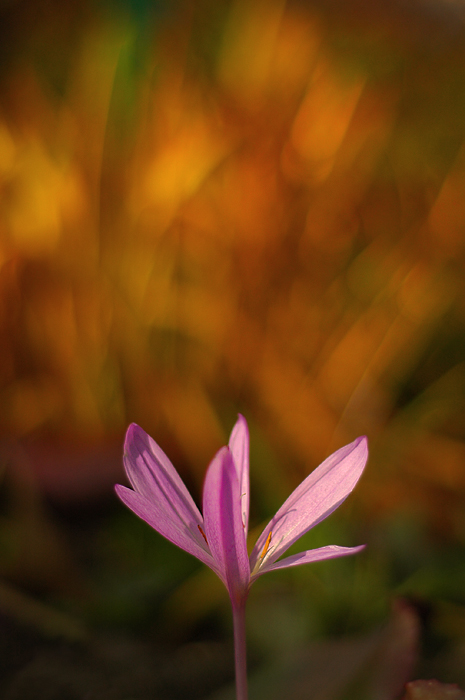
pixel 173 529
pixel 239 446
pixel 311 502
pixel 153 476
pixel 311 555
pixel 223 524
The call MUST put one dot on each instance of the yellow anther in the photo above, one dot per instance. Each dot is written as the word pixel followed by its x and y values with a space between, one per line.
pixel 267 544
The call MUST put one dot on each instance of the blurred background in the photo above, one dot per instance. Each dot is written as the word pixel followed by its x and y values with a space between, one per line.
pixel 219 206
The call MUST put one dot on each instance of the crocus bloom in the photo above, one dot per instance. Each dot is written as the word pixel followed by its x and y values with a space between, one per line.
pixel 219 537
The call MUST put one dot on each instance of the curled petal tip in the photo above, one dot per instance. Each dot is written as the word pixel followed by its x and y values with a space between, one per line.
pixel 133 428
pixel 241 424
pixel 132 431
pixel 359 450
pixel 362 444
pixel 361 441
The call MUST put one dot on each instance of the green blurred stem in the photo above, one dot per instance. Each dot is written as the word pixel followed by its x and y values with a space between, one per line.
pixel 240 647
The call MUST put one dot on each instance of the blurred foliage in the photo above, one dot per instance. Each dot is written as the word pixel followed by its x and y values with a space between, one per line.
pixel 219 206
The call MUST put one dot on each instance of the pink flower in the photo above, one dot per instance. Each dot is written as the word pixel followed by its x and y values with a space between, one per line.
pixel 219 537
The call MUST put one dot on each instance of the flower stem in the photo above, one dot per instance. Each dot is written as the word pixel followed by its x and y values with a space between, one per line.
pixel 240 650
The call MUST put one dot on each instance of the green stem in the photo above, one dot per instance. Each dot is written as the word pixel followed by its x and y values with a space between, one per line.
pixel 240 647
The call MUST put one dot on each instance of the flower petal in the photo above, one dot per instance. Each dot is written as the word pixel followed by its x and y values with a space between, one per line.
pixel 311 502
pixel 330 552
pixel 158 518
pixel 153 476
pixel 223 524
pixel 239 446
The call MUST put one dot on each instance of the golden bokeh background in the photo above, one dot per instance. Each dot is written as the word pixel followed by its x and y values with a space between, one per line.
pixel 212 207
